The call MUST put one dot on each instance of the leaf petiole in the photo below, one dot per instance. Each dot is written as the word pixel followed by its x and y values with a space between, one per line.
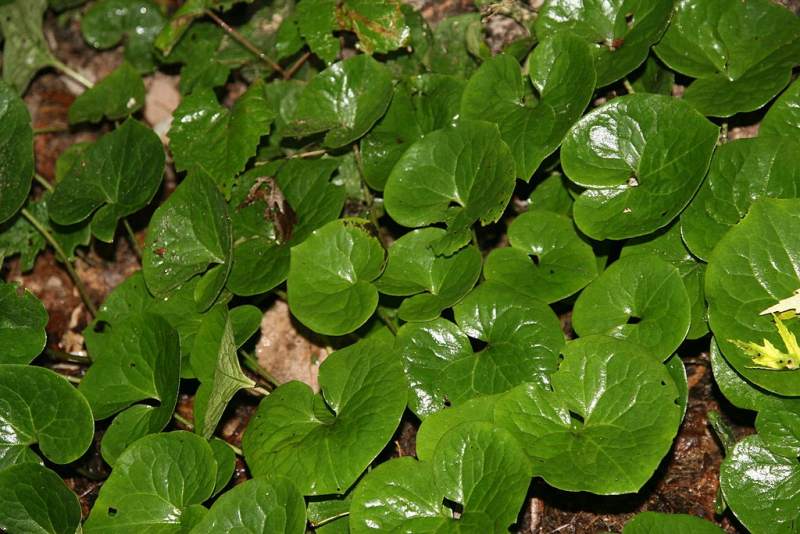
pixel 75 75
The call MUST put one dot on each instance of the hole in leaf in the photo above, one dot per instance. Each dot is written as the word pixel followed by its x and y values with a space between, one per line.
pixel 576 418
pixel 535 259
pixel 629 20
pixel 456 508
pixel 633 320
pixel 112 512
pixel 663 383
pixel 447 402
pixel 101 327
pixel 454 204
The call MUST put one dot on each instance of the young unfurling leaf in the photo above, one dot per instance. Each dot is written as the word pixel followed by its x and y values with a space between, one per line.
pixel 767 356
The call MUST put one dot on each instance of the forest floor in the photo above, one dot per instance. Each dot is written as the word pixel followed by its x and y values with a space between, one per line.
pixel 686 481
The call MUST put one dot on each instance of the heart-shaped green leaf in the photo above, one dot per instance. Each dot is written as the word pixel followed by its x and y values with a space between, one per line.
pixel 523 338
pixel 783 117
pixel 118 95
pixel 118 175
pixel 137 22
pixel 25 49
pixel 743 394
pixel 135 358
pixel 323 443
pixel 658 523
pixel 741 53
pixel 641 158
pixel 40 407
pixel 552 194
pixel 607 423
pixel 469 176
pixel 562 73
pixel 620 32
pixel 653 77
pixel 188 233
pixel 436 282
pixel 423 104
pixel 216 364
pixel 668 245
pixel 449 53
pixel 739 286
pixel 547 259
pixel 197 51
pixel 316 20
pixel 230 137
pixel 780 431
pixel 258 506
pixel 226 463
pixel 480 467
pixel 19 236
pixel 22 322
pixel 36 500
pixel 639 298
pixel 344 101
pixel 16 145
pixel 265 228
pixel 741 172
pixel 331 275
pixel 157 485
pixel 761 488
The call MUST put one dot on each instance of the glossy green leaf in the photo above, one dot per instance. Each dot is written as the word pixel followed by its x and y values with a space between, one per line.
pixel 263 228
pixel 230 137
pixel 188 232
pixel 426 103
pixel 36 501
pixel 137 22
pixel 743 394
pixel 547 259
pixel 741 53
pixel 755 265
pixel 639 298
pixel 607 423
pixel 226 463
pixel 641 158
pixel 116 176
pixel 523 338
pixel 780 431
pixel 344 101
pixel 658 523
pixel 379 24
pixel 118 95
pixel 135 358
pixel 22 322
pixel 331 277
pixel 316 20
pixel 40 407
pixel 273 29
pixel 16 145
pixel 620 32
pixel 157 485
pixel 480 467
pixel 432 282
pixel 25 49
pixel 761 488
pixel 561 72
pixel 552 194
pixel 469 176
pixel 325 509
pixel 323 443
pixel 216 364
pixel 258 506
pixel 741 172
pixel 783 117
pixel 668 245
pixel 653 77
pixel 182 19
pixel 197 51
pixel 448 53
pixel 677 371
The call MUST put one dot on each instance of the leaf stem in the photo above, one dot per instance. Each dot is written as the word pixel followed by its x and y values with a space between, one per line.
pixel 245 42
pixel 182 420
pixel 309 154
pixel 291 71
pixel 259 390
pixel 63 257
pixel 383 316
pixel 62 356
pixel 75 75
pixel 50 129
pixel 132 238
pixel 236 450
pixel 43 181
pixel 252 363
pixel 628 86
pixel 73 379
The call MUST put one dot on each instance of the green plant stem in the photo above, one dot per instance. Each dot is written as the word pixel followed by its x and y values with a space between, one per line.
pixel 50 129
pixel 330 519
pixel 182 420
pixel 390 324
pixel 723 133
pixel 132 238
pixel 43 181
pixel 61 356
pixel 260 391
pixel 75 75
pixel 252 363
pixel 63 257
pixel 245 42
pixel 281 294
pixel 72 379
pixel 309 154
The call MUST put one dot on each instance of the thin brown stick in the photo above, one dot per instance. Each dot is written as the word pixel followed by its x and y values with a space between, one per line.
pixel 291 71
pixel 245 42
